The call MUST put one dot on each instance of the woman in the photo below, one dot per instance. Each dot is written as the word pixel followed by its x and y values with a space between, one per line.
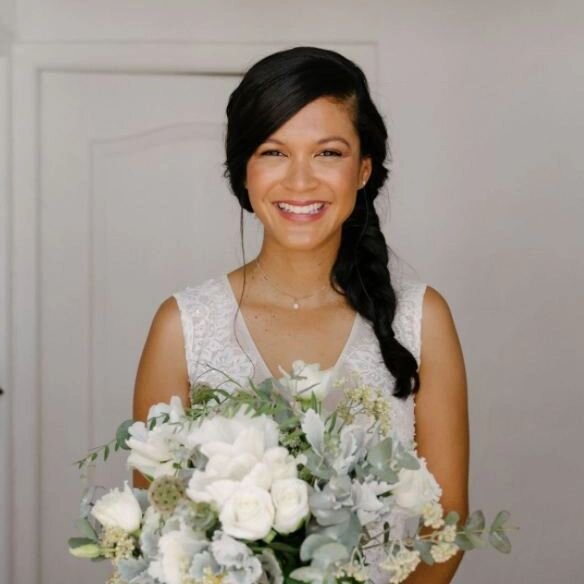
pixel 305 152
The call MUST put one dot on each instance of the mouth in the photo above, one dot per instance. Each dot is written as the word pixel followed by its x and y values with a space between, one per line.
pixel 301 207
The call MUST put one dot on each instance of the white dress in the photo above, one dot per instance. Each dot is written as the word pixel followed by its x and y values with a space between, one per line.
pixel 216 335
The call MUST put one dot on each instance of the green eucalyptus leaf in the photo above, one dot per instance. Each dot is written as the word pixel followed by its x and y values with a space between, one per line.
pixel 424 548
pixel 85 527
pixel 380 455
pixel 500 541
pixel 475 521
pixel 463 542
pixel 329 553
pixel 452 518
pixel 476 540
pixel 500 520
pixel 308 574
pixel 406 460
pixel 317 465
pixel 385 474
pixel 83 547
pixel 311 544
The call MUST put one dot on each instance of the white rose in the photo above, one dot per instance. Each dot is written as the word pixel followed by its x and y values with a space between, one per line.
pixel 248 513
pixel 221 429
pixel 259 476
pixel 151 450
pixel 415 488
pixel 290 498
pixel 316 381
pixel 119 509
pixel 281 463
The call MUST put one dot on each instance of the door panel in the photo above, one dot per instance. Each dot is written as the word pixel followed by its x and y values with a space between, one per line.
pixel 134 207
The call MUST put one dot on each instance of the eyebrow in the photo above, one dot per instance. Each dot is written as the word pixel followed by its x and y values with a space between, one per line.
pixel 322 141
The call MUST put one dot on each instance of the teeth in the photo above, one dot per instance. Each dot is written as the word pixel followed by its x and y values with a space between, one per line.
pixel 301 210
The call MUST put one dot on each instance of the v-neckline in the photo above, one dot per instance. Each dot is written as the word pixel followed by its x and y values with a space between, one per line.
pixel 254 347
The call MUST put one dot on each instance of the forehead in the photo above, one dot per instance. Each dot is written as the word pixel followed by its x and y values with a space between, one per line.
pixel 321 116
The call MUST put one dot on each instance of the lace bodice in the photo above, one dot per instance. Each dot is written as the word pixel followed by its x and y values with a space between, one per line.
pixel 216 335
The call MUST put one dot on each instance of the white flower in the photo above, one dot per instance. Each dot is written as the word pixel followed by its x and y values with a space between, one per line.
pixel 229 552
pixel 176 551
pixel 174 409
pixel 401 564
pixel 248 513
pixel 316 381
pixel 246 458
pixel 280 463
pixel 443 551
pixel 368 506
pixel 290 498
pixel 433 514
pixel 151 450
pixel 119 509
pixel 416 488
pixel 221 429
pixel 241 566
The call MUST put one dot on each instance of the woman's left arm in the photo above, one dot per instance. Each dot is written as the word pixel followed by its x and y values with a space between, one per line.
pixel 442 427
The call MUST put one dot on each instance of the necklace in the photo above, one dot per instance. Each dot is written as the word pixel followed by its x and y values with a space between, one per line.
pixel 295 299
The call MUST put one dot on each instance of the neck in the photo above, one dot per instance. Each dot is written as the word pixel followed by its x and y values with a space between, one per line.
pixel 298 272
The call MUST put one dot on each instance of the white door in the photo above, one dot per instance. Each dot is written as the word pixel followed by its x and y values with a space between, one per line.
pixel 119 201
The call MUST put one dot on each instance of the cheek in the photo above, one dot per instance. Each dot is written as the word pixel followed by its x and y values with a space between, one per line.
pixel 259 176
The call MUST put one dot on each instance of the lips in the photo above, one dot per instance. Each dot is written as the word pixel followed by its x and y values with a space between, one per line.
pixel 301 211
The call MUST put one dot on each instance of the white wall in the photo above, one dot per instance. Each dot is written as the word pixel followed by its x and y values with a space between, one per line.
pixel 485 106
pixel 5 475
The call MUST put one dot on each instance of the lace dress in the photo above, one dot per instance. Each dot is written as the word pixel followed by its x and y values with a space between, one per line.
pixel 212 327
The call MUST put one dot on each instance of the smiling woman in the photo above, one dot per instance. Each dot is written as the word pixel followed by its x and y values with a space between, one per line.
pixel 306 150
pixel 313 176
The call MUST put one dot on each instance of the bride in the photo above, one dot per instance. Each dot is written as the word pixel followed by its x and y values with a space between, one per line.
pixel 305 152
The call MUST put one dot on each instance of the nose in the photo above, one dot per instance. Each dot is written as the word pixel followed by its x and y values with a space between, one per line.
pixel 300 176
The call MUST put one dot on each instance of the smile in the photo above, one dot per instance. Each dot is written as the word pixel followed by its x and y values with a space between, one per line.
pixel 307 211
pixel 301 209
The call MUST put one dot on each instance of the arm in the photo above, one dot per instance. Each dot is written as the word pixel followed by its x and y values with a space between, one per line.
pixel 442 428
pixel 162 371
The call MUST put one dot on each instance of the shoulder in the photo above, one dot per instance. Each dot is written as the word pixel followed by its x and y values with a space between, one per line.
pixel 437 318
pixel 167 319
pixel 441 350
pixel 205 292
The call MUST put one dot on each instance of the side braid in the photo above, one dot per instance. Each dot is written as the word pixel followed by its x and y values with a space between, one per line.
pixel 361 270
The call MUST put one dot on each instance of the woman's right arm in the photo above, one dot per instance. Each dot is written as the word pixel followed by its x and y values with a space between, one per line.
pixel 162 370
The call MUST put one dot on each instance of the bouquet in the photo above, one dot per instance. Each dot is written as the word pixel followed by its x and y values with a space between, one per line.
pixel 265 484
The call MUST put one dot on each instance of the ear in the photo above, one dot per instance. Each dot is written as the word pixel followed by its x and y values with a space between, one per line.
pixel 365 171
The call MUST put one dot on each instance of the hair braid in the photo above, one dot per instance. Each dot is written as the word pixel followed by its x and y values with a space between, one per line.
pixel 361 269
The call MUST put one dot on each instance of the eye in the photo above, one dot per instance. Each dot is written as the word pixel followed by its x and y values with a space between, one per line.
pixel 270 152
pixel 332 152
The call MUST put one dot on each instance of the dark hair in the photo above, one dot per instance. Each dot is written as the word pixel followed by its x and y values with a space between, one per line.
pixel 272 91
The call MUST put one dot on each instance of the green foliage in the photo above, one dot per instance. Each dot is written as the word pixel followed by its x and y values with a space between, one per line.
pixel 86 529
pixel 424 548
pixel 497 536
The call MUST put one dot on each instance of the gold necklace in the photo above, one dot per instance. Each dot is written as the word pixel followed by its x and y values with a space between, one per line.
pixel 295 303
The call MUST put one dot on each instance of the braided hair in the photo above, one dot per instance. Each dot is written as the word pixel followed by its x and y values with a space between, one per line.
pixel 272 91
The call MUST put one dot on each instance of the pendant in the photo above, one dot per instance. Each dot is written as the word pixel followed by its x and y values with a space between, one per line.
pixel 296 306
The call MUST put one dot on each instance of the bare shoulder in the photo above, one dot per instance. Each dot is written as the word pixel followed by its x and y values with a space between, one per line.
pixel 166 320
pixel 437 319
pixel 162 370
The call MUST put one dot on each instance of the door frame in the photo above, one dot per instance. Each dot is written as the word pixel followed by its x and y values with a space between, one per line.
pixel 5 383
pixel 29 62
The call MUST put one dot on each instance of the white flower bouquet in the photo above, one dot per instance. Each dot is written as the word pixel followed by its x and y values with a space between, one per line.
pixel 264 485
